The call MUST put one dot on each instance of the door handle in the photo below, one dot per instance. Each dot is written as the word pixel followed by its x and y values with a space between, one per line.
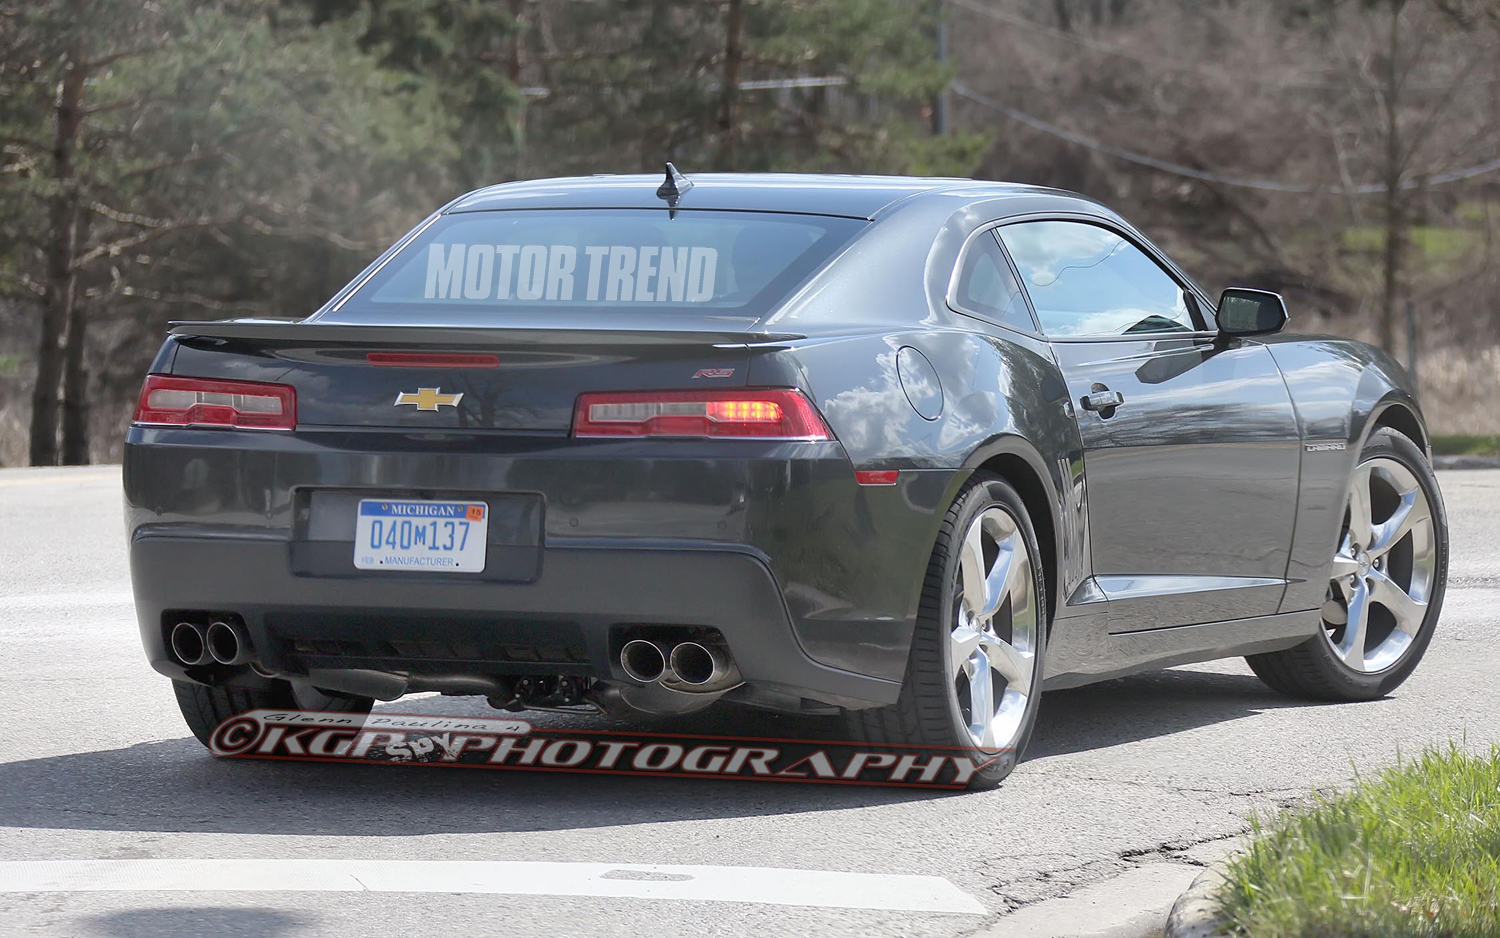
pixel 1102 400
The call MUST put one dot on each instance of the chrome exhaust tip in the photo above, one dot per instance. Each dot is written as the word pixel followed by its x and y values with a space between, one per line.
pixel 229 643
pixel 190 644
pixel 643 661
pixel 697 664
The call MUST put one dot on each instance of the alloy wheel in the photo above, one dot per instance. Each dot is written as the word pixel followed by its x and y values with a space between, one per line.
pixel 992 648
pixel 1384 570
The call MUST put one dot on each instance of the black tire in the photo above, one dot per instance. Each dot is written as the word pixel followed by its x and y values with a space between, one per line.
pixel 206 707
pixel 1312 670
pixel 927 712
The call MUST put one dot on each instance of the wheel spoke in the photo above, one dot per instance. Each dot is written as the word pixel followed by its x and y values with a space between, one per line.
pixel 982 703
pixel 1407 611
pixel 1352 648
pixel 998 583
pixel 1359 507
pixel 971 569
pixel 1009 663
pixel 1018 575
pixel 961 647
pixel 1411 512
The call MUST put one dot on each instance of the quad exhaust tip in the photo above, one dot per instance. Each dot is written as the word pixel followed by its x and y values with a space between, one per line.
pixel 190 644
pixel 643 661
pixel 685 663
pixel 229 643
pixel 697 664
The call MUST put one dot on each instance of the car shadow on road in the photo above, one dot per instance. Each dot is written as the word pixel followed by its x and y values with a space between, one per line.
pixel 175 786
pixel 1144 706
pixel 196 920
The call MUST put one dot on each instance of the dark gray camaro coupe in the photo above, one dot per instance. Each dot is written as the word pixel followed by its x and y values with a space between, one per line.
pixel 909 450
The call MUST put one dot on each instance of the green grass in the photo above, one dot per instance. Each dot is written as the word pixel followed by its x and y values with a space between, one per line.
pixel 1465 444
pixel 1472 213
pixel 1414 850
pixel 1427 239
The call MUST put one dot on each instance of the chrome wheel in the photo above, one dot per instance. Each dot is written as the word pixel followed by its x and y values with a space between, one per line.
pixel 992 649
pixel 1384 570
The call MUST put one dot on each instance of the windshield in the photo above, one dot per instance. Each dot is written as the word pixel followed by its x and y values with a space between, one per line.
pixel 485 264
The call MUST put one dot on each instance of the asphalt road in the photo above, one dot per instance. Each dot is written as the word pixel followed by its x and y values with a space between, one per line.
pixel 1147 773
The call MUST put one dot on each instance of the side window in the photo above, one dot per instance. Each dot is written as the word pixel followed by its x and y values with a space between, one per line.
pixel 986 286
pixel 1084 280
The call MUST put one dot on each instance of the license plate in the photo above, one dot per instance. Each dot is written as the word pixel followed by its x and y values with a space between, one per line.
pixel 442 537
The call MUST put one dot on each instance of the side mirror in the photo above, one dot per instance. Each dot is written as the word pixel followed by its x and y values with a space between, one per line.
pixel 1250 312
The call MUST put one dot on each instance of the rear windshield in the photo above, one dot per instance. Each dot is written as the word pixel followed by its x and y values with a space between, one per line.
pixel 487 263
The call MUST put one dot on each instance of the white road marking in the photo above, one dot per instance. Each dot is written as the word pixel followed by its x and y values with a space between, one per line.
pixel 816 888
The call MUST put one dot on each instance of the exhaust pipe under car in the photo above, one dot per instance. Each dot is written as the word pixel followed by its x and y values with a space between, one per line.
pixel 229 643
pixel 643 661
pixel 696 664
pixel 190 644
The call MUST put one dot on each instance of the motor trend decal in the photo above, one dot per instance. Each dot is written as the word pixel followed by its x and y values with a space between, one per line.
pixel 607 273
pixel 495 743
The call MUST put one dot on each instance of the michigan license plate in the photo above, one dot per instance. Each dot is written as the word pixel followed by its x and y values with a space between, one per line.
pixel 440 537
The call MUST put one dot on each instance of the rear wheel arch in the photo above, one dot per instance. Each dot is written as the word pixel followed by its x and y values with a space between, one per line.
pixel 933 710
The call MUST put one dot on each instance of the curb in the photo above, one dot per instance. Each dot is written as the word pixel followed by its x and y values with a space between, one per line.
pixel 1195 913
pixel 1466 462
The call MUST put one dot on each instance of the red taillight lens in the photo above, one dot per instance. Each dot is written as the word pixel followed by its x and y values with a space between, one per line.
pixel 168 401
pixel 755 414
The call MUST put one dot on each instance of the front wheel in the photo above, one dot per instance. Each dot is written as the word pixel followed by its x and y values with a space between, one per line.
pixel 973 677
pixel 1386 585
pixel 205 707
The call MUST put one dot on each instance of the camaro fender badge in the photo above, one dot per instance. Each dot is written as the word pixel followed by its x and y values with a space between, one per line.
pixel 1330 447
pixel 714 372
pixel 428 399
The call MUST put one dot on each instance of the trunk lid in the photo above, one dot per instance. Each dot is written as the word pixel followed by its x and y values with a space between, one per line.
pixel 459 379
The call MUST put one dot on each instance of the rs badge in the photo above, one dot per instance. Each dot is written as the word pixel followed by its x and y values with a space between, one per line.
pixel 428 399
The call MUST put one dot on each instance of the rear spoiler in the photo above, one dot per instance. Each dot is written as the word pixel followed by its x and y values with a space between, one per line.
pixel 286 330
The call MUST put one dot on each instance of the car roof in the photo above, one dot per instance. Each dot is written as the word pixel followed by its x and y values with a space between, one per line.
pixel 850 196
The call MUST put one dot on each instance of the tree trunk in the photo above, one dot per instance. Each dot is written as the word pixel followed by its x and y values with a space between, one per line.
pixel 514 65
pixel 1391 264
pixel 513 53
pixel 75 409
pixel 58 296
pixel 1064 15
pixel 1395 222
pixel 940 99
pixel 734 55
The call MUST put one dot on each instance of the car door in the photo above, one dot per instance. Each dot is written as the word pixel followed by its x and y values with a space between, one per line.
pixel 1191 446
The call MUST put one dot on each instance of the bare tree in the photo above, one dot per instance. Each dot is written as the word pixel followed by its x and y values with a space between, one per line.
pixel 1418 74
pixel 1301 146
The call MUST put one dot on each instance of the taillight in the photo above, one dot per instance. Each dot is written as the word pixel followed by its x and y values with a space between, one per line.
pixel 168 401
pixel 749 414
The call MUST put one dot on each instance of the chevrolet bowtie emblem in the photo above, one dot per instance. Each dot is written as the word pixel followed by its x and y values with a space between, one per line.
pixel 428 399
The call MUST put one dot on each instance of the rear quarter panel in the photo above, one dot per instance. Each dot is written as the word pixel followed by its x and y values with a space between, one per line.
pixel 999 394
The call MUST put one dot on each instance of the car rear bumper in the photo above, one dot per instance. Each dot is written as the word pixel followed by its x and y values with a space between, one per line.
pixel 568 621
pixel 811 579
